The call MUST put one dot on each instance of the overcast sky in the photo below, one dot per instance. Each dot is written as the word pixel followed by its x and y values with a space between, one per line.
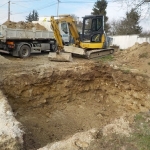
pixel 115 10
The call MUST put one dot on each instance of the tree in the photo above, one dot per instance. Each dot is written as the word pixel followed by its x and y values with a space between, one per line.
pixel 100 9
pixel 132 21
pixel 75 17
pixel 32 16
pixel 114 27
pixel 130 24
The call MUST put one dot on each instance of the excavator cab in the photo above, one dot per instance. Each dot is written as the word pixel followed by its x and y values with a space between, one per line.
pixel 93 29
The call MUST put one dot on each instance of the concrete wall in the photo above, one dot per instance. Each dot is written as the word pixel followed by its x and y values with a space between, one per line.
pixel 126 41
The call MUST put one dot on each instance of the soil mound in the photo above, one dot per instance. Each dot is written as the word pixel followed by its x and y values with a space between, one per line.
pixel 136 56
pixel 3 60
pixel 23 25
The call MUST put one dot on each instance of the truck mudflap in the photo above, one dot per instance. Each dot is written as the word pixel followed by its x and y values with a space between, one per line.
pixel 98 53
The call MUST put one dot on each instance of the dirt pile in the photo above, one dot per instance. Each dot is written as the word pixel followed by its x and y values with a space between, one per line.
pixel 76 142
pixel 135 57
pixel 119 126
pixel 23 25
pixel 4 60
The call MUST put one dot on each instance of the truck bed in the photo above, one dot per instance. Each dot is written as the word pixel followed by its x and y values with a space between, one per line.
pixel 9 33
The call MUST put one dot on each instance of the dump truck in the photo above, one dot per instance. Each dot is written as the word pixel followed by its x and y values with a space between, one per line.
pixel 22 42
pixel 46 22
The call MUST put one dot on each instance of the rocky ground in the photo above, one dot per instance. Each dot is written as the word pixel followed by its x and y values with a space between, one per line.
pixel 75 105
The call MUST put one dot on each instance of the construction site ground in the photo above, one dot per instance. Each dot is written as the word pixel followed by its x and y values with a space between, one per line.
pixel 105 100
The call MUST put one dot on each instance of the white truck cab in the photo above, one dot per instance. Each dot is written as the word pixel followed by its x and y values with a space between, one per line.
pixel 63 26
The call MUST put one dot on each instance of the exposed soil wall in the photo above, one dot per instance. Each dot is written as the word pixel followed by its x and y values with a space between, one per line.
pixel 11 134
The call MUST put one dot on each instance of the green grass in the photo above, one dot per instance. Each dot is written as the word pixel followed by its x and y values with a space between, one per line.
pixel 139 138
pixel 107 58
pixel 138 118
pixel 142 138
pixel 126 71
pixel 141 134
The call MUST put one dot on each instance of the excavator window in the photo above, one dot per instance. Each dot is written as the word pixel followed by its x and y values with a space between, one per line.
pixel 96 24
pixel 88 24
pixel 92 29
pixel 92 25
pixel 96 38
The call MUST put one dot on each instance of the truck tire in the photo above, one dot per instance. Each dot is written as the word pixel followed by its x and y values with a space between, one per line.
pixel 54 47
pixel 24 51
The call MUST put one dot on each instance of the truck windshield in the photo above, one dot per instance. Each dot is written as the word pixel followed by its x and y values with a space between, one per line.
pixel 64 27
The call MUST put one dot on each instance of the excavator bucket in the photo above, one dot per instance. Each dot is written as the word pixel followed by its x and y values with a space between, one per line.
pixel 62 57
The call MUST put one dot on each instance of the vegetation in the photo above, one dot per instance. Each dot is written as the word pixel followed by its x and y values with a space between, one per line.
pixel 34 16
pixel 126 71
pixel 100 9
pixel 139 138
pixel 127 26
pixel 107 58
pixel 145 34
pixel 142 131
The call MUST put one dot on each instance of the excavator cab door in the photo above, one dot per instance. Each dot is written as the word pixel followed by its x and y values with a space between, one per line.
pixel 93 29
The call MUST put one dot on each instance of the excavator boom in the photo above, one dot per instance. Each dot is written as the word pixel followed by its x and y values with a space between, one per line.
pixel 57 34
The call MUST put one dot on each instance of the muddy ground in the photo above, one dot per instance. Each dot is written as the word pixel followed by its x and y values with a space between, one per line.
pixel 55 100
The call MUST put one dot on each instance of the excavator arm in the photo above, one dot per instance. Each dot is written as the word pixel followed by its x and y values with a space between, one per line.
pixel 55 28
pixel 72 27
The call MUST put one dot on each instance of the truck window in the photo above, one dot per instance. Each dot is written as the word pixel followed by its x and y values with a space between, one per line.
pixel 64 27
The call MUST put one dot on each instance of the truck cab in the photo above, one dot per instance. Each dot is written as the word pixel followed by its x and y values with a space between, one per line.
pixel 63 27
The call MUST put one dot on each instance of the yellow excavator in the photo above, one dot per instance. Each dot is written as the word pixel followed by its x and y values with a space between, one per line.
pixel 91 43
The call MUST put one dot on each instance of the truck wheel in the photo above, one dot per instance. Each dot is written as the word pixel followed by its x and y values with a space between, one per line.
pixel 54 47
pixel 24 51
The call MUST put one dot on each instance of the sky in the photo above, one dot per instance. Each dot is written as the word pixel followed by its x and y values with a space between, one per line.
pixel 116 9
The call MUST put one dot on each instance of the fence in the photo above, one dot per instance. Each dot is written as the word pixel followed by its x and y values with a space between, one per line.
pixel 126 41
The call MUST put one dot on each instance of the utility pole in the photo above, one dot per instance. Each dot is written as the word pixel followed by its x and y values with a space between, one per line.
pixel 57 7
pixel 8 10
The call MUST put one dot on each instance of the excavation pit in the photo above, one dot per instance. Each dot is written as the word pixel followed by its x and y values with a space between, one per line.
pixel 56 100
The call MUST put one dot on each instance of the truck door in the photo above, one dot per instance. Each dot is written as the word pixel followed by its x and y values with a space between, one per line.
pixel 64 31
